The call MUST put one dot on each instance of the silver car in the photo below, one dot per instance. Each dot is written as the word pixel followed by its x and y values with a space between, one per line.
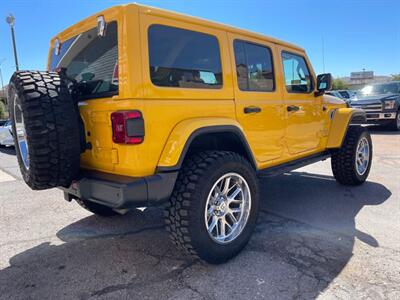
pixel 6 138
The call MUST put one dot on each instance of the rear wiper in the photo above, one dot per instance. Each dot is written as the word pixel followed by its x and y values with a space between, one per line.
pixel 73 85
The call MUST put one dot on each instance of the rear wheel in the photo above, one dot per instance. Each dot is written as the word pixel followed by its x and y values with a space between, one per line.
pixel 213 209
pixel 45 125
pixel 352 162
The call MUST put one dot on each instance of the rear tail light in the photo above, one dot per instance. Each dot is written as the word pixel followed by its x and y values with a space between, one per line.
pixel 128 127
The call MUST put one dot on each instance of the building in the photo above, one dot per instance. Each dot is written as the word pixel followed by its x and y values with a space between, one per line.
pixel 359 79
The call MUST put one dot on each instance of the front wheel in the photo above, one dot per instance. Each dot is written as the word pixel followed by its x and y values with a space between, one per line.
pixel 352 162
pixel 395 125
pixel 213 209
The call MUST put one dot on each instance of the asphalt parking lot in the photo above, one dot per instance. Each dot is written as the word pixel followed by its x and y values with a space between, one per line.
pixel 314 239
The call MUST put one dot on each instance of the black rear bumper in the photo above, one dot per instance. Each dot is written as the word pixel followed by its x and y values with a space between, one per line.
pixel 122 192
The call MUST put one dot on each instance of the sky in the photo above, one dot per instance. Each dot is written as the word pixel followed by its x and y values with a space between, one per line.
pixel 354 34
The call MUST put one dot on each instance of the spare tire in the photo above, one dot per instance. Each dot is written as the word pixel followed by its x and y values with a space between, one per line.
pixel 45 124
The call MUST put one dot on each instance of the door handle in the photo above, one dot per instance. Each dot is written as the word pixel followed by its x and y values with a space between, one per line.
pixel 251 109
pixel 291 108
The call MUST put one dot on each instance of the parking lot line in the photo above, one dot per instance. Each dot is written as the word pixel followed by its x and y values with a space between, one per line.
pixel 5 177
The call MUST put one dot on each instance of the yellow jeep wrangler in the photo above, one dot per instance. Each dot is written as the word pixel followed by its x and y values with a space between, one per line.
pixel 142 107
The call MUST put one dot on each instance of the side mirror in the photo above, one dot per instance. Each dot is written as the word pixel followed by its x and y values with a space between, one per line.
pixel 324 83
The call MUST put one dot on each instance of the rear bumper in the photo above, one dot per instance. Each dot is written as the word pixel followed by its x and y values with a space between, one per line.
pixel 6 139
pixel 7 142
pixel 121 192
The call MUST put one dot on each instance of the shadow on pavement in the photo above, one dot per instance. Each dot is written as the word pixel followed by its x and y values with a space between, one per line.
pixel 304 239
pixel 381 130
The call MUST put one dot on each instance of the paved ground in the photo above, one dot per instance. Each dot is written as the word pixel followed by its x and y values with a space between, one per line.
pixel 314 238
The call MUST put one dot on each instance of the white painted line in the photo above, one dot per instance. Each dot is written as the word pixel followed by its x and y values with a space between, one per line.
pixel 5 177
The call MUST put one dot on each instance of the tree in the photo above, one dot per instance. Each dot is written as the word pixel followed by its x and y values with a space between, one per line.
pixel 339 84
pixel 2 110
pixel 396 77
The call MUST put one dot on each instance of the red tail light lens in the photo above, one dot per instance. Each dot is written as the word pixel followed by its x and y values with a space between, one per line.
pixel 128 127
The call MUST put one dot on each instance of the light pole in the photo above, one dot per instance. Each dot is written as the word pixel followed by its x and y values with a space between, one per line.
pixel 10 20
pixel 2 84
pixel 1 75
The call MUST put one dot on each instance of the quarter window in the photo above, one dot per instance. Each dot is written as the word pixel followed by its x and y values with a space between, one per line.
pixel 183 58
pixel 297 75
pixel 254 67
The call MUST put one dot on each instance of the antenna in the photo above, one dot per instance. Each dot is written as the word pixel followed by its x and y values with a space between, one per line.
pixel 323 54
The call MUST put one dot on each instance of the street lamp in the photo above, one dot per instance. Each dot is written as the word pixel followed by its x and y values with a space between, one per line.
pixel 2 84
pixel 1 74
pixel 11 20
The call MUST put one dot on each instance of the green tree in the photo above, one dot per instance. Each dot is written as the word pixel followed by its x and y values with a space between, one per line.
pixel 339 84
pixel 2 110
pixel 396 77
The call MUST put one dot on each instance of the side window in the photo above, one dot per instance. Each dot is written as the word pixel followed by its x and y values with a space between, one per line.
pixel 254 67
pixel 183 58
pixel 297 75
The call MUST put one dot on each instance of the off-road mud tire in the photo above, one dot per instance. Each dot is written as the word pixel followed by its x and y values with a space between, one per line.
pixel 343 159
pixel 184 214
pixel 52 128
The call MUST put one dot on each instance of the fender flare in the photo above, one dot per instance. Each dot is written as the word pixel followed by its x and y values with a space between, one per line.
pixel 342 118
pixel 187 131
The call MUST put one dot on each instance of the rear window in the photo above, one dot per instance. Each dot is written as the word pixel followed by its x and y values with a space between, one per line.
pixel 254 67
pixel 92 61
pixel 183 58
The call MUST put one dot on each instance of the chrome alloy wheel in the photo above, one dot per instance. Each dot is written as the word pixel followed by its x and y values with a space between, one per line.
pixel 398 120
pixel 362 156
pixel 21 133
pixel 228 207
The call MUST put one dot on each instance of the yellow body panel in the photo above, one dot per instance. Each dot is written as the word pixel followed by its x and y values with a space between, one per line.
pixel 265 130
pixel 172 114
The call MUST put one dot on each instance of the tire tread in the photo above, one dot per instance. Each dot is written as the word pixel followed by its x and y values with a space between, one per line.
pixel 52 129
pixel 343 159
pixel 176 214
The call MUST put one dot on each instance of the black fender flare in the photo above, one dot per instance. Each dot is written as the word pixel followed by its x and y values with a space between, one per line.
pixel 211 130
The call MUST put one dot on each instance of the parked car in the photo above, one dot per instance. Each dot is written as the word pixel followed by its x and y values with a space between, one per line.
pixel 335 94
pixel 180 112
pixel 381 102
pixel 6 138
pixel 346 95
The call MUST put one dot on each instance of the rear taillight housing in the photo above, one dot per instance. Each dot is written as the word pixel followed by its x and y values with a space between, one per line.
pixel 128 127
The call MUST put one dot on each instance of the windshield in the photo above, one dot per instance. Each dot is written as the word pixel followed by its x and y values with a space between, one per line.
pixel 377 89
pixel 92 61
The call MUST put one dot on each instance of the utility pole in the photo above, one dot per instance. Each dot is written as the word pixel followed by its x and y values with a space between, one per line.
pixel 11 21
pixel 2 84
pixel 1 75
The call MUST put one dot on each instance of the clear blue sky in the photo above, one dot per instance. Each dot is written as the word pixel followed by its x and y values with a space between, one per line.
pixel 357 34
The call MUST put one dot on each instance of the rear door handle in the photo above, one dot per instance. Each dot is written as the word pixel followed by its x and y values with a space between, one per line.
pixel 251 109
pixel 292 108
